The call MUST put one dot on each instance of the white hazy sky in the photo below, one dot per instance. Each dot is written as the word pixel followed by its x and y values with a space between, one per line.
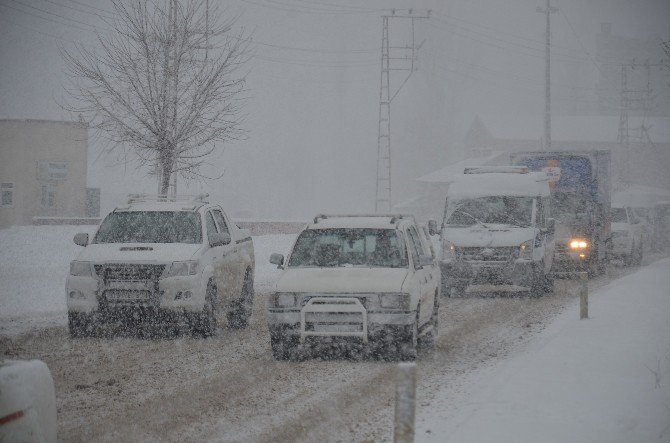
pixel 314 88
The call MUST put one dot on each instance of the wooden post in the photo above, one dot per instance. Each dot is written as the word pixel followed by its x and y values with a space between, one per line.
pixel 405 403
pixel 583 295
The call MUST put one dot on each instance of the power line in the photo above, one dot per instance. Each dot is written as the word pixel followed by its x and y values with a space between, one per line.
pixel 56 15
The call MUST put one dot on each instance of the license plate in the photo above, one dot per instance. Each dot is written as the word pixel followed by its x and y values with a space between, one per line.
pixel 127 295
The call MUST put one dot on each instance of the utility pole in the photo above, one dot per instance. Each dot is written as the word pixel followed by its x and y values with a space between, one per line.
pixel 634 99
pixel 401 62
pixel 548 10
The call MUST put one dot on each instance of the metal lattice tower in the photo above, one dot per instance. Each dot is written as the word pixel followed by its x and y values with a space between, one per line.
pixel 406 63
pixel 548 10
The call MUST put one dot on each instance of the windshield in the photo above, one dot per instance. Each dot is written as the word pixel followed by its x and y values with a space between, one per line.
pixel 150 227
pixel 494 209
pixel 619 215
pixel 568 206
pixel 349 247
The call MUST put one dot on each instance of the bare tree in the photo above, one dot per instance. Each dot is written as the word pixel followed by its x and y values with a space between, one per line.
pixel 165 82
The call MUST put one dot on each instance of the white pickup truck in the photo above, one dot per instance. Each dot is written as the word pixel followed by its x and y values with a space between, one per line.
pixel 162 259
pixel 496 230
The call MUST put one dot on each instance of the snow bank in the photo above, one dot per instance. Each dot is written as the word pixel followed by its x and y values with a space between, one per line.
pixel 589 380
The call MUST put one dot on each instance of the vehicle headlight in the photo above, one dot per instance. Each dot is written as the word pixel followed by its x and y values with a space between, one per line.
pixel 449 249
pixel 285 299
pixel 526 250
pixel 183 268
pixel 81 268
pixel 578 244
pixel 394 300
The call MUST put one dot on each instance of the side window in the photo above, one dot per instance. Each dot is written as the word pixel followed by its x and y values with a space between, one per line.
pixel 7 194
pixel 209 224
pixel 221 221
pixel 414 246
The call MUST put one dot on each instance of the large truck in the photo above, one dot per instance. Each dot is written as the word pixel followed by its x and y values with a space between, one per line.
pixel 580 187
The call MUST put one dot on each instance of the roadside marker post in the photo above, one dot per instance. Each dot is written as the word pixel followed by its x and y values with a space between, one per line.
pixel 405 403
pixel 583 295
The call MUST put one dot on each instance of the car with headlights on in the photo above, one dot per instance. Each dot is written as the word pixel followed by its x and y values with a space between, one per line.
pixel 365 279
pixel 162 259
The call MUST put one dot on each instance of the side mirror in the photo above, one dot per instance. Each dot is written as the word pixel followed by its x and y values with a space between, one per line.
pixel 425 260
pixel 432 227
pixel 81 239
pixel 219 239
pixel 277 259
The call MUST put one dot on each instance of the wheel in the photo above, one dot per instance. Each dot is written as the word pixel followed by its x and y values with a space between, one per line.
pixel 408 341
pixel 79 325
pixel 238 316
pixel 205 322
pixel 629 259
pixel 548 286
pixel 639 255
pixel 428 339
pixel 537 286
pixel 282 346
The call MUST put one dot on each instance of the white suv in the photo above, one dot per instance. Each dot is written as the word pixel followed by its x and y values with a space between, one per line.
pixel 368 278
pixel 626 236
pixel 164 259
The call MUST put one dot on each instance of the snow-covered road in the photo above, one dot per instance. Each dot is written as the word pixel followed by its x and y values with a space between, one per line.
pixel 229 388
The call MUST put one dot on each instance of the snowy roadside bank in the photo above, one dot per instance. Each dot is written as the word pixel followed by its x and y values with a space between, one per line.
pixel 589 380
pixel 35 260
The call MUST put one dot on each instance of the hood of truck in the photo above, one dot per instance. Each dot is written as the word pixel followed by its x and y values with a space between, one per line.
pixel 620 227
pixel 342 280
pixel 565 232
pixel 489 236
pixel 138 252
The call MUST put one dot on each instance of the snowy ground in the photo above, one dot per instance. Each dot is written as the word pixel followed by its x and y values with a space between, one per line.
pixel 504 368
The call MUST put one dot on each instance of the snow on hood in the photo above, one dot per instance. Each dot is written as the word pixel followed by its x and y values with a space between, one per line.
pixel 493 235
pixel 341 280
pixel 138 252
pixel 620 227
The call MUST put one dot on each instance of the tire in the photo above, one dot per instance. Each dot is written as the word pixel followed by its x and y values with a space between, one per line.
pixel 238 316
pixel 548 286
pixel 79 325
pixel 408 342
pixel 429 339
pixel 205 323
pixel 639 255
pixel 537 287
pixel 282 346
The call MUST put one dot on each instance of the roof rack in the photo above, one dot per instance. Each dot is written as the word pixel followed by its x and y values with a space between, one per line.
pixel 394 217
pixel 136 198
pixel 499 169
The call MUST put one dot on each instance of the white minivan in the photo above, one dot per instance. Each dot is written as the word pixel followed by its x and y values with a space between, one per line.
pixel 497 231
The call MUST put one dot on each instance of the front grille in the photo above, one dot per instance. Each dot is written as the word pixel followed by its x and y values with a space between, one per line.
pixel 129 272
pixel 334 322
pixel 363 299
pixel 478 254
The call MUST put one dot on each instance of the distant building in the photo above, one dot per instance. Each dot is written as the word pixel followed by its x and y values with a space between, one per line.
pixel 42 170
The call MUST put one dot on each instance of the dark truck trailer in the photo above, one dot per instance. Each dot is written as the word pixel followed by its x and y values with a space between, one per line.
pixel 580 202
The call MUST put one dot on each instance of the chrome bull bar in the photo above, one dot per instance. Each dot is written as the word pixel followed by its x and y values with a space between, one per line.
pixel 333 317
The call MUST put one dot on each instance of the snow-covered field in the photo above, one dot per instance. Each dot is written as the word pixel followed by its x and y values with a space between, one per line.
pixel 504 369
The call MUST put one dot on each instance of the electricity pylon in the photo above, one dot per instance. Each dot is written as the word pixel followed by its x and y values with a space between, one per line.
pixel 405 62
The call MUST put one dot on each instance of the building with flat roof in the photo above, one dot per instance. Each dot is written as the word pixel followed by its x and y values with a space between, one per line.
pixel 43 167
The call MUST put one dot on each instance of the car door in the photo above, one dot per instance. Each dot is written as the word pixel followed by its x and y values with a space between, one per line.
pixel 229 261
pixel 214 254
pixel 420 275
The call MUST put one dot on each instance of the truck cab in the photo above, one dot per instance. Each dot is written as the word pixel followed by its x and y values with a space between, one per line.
pixel 497 231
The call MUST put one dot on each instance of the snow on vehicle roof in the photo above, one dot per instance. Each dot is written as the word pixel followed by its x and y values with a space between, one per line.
pixel 492 184
pixel 358 222
pixel 160 206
